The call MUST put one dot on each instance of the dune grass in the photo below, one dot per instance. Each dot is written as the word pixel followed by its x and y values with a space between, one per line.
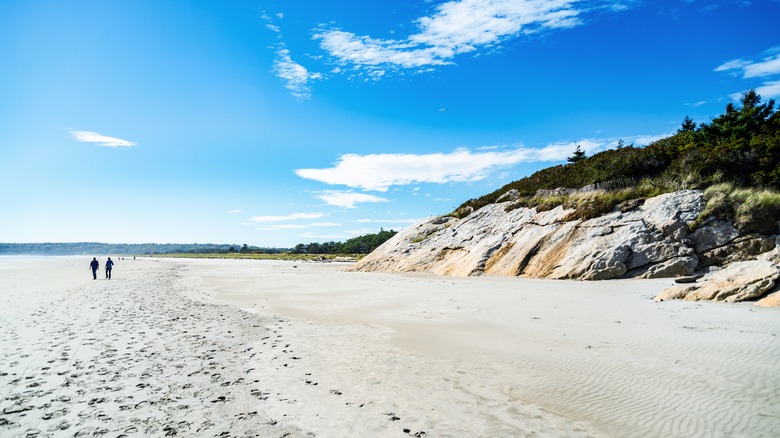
pixel 750 209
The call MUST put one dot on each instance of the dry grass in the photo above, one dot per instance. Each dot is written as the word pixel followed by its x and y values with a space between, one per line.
pixel 751 210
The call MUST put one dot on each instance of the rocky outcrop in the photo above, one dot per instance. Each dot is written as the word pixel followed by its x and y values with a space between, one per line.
pixel 645 240
pixel 739 281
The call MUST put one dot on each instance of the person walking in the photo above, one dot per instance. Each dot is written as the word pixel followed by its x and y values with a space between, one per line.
pixel 94 265
pixel 109 265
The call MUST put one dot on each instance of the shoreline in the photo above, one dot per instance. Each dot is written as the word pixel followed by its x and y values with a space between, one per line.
pixel 316 350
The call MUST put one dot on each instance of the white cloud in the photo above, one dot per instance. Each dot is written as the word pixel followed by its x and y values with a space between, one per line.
pixel 456 27
pixel 347 199
pixel 341 236
pixel 325 224
pixel 769 89
pixel 289 217
pixel 296 77
pixel 288 227
pixel 768 66
pixel 379 172
pixel 736 64
pixel 642 140
pixel 387 221
pixel 100 139
pixel 235 211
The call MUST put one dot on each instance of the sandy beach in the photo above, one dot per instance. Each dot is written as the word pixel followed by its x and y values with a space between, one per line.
pixel 266 348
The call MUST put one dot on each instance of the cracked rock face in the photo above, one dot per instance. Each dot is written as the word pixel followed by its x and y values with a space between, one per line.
pixel 648 240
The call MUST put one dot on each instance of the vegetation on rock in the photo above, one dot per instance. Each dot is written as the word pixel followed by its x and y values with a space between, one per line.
pixel 741 147
pixel 750 210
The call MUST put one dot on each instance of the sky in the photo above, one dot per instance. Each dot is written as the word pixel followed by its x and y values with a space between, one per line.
pixel 272 123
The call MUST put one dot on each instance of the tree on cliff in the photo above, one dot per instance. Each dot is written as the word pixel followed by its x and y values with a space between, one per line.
pixel 741 146
pixel 578 155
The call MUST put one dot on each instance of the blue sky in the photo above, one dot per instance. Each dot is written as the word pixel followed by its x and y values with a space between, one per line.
pixel 274 123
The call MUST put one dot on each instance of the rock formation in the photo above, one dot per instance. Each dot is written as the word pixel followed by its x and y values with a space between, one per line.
pixel 644 240
pixel 739 281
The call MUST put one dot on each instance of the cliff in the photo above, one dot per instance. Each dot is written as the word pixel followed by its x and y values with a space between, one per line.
pixel 644 239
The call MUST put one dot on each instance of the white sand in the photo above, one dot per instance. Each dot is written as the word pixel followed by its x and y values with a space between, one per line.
pixel 328 353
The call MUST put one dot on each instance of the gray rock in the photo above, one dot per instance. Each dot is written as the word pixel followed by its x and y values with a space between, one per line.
pixel 740 249
pixel 678 266
pixel 648 240
pixel 509 196
pixel 712 235
pixel 738 282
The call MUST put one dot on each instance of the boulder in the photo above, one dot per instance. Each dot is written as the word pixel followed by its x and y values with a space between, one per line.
pixel 712 235
pixel 737 282
pixel 771 300
pixel 739 249
pixel 675 267
pixel 509 196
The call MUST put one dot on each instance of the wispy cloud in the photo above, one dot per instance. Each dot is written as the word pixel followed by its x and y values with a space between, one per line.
pixel 387 221
pixel 340 236
pixel 347 199
pixel 296 77
pixel 770 89
pixel 288 227
pixel 379 172
pixel 289 217
pixel 766 67
pixel 235 211
pixel 769 65
pixel 348 234
pixel 101 140
pixel 454 28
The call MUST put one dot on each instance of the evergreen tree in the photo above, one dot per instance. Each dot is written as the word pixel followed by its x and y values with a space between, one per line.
pixel 688 125
pixel 578 155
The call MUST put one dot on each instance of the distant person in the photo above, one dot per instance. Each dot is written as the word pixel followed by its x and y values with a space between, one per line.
pixel 94 265
pixel 109 265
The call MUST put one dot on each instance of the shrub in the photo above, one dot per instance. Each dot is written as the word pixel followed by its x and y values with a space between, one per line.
pixel 742 146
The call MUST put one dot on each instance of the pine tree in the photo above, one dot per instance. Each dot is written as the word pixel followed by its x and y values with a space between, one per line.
pixel 578 155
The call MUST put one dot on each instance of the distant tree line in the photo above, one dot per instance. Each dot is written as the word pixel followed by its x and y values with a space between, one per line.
pixel 358 245
pixel 94 248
